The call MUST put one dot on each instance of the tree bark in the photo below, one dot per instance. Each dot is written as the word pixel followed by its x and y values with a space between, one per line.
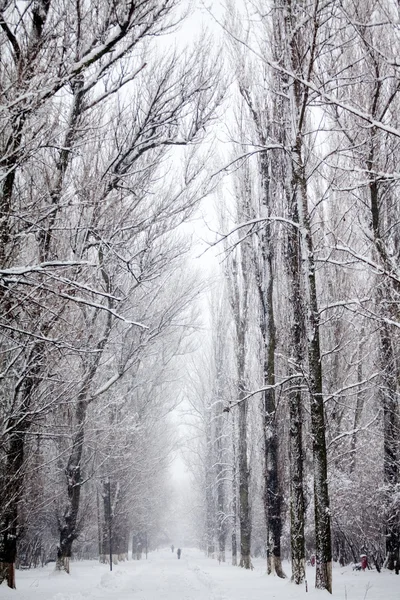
pixel 389 368
pixel 210 508
pixel 359 405
pixel 244 507
pixel 265 281
pixel 220 481
pixel 68 528
pixel 234 494
pixel 296 455
pixel 239 305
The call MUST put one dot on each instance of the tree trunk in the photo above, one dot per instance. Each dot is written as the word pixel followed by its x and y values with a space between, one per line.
pixel 11 493
pixel 210 508
pixel 390 447
pixel 220 481
pixel 389 368
pixel 296 456
pixel 263 259
pixel 323 545
pixel 359 405
pixel 272 492
pixel 10 498
pixel 68 524
pixel 244 508
pixel 240 313
pixel 219 431
pixel 234 495
pixel 298 98
pixel 238 291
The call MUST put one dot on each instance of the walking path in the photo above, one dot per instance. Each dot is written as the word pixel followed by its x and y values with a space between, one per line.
pixel 193 577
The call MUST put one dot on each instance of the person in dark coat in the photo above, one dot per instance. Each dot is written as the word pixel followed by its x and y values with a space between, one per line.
pixel 179 552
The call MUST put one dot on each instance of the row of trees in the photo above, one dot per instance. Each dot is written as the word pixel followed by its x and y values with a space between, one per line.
pixel 96 112
pixel 311 233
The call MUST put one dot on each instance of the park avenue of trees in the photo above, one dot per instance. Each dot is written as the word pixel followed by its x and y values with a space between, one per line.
pixel 120 123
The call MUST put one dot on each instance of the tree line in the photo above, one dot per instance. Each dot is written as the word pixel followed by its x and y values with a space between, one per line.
pixel 95 299
pixel 301 418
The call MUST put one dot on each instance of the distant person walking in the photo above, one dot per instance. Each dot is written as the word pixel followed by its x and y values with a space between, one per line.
pixel 172 548
pixel 179 551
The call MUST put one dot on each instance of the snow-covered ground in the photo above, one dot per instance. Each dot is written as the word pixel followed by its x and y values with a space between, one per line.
pixel 163 577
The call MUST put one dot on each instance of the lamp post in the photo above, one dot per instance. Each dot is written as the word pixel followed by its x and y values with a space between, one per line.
pixel 109 518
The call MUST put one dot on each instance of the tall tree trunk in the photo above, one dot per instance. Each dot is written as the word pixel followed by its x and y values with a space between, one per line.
pixel 219 431
pixel 210 505
pixel 272 493
pixel 263 259
pixel 390 446
pixel 234 494
pixel 238 286
pixel 297 505
pixel 244 507
pixel 296 455
pixel 359 405
pixel 10 496
pixel 220 481
pixel 239 305
pixel 323 544
pixel 265 281
pixel 68 524
pixel 298 107
pixel 389 367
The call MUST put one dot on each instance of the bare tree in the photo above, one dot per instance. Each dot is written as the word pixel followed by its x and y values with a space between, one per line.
pixel 64 252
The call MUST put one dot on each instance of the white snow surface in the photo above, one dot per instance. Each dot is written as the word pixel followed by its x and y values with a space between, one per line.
pixel 194 577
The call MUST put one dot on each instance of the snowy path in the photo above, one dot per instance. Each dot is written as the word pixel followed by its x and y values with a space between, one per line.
pixel 194 577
